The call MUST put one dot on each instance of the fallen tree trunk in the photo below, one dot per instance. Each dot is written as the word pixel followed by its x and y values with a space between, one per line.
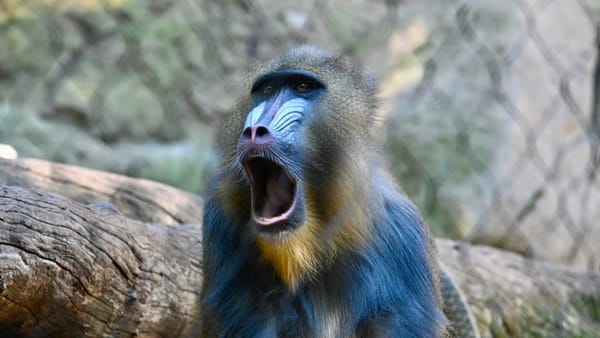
pixel 73 266
pixel 139 199
pixel 68 269
pixel 512 296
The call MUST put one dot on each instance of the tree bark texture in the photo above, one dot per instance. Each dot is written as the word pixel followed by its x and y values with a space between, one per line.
pixel 139 199
pixel 90 254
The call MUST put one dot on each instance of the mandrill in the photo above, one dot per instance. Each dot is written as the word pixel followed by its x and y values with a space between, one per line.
pixel 306 234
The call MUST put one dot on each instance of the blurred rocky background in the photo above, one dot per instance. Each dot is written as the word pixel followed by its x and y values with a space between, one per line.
pixel 487 107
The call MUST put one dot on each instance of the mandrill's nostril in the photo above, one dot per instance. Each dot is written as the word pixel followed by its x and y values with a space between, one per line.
pixel 247 132
pixel 257 134
pixel 262 131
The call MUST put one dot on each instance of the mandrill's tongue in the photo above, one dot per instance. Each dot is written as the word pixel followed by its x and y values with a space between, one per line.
pixel 280 190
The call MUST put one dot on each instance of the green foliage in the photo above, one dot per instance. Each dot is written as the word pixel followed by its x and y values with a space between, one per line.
pixel 101 85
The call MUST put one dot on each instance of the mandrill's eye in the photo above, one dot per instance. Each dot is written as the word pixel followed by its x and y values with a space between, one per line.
pixel 268 90
pixel 302 87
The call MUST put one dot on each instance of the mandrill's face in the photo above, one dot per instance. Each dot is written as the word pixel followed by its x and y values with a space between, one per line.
pixel 271 148
pixel 298 160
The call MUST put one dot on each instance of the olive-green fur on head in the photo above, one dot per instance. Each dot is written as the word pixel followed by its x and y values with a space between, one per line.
pixel 351 93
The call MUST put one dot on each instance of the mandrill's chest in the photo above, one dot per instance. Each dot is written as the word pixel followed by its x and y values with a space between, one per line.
pixel 309 313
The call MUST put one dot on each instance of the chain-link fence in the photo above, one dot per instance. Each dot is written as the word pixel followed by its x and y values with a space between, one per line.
pixel 490 108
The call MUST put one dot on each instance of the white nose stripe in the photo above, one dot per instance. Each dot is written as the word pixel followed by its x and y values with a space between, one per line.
pixel 291 110
pixel 254 115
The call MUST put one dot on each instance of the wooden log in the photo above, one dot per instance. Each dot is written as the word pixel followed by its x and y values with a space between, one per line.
pixel 71 270
pixel 139 199
pixel 512 296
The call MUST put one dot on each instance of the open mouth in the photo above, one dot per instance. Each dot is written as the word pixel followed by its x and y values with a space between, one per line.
pixel 273 191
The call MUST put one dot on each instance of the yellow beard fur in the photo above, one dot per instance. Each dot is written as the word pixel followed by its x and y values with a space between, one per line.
pixel 299 255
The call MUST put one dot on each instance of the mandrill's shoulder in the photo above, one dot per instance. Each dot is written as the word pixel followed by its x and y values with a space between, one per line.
pixel 399 223
pixel 397 273
pixel 392 202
